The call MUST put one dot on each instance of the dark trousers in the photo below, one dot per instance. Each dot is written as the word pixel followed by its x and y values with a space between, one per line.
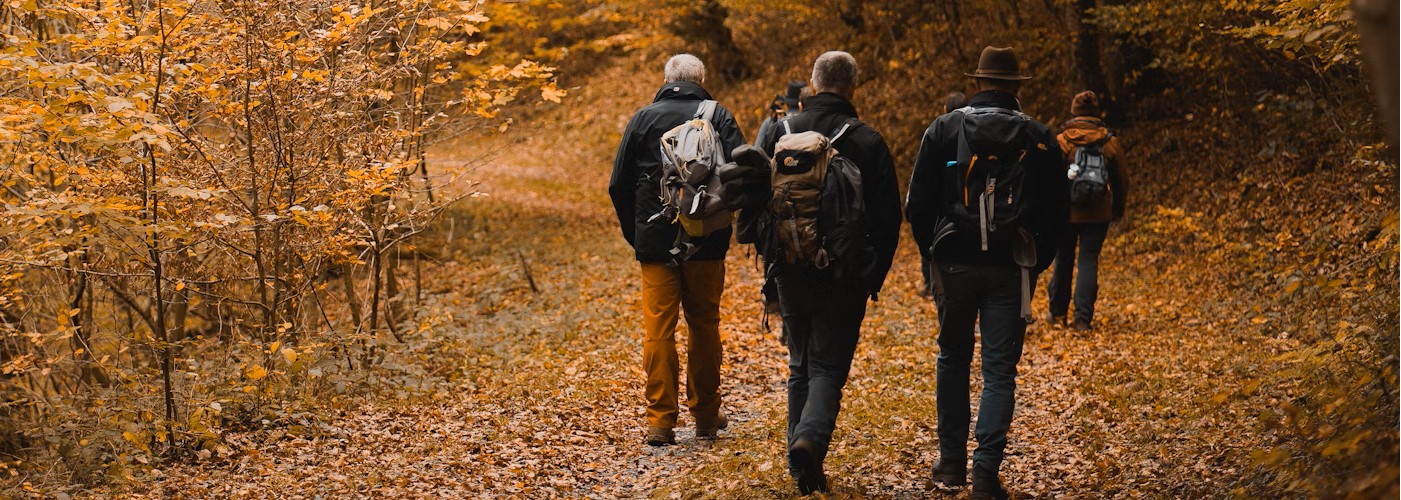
pixel 823 320
pixel 924 263
pixel 990 296
pixel 1090 238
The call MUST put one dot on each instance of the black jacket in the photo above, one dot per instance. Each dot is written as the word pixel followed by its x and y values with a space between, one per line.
pixel 826 112
pixel 634 186
pixel 1046 190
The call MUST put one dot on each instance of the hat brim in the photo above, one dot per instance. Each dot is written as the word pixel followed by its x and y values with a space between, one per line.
pixel 992 76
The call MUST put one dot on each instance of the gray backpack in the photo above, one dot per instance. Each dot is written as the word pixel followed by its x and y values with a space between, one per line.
pixel 690 185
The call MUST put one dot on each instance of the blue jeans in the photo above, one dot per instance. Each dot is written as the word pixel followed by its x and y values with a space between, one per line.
pixel 991 296
pixel 1090 238
pixel 823 320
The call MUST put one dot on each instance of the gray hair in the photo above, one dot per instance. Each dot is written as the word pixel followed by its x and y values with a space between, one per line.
pixel 834 71
pixel 685 68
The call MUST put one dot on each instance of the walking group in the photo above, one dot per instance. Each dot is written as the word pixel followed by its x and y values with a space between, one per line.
pixel 994 199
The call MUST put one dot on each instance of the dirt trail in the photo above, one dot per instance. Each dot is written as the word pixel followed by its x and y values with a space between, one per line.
pixel 548 401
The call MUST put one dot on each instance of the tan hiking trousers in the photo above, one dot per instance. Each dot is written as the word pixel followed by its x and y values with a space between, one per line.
pixel 693 288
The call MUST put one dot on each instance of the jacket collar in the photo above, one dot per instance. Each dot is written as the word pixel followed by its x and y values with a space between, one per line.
pixel 1085 122
pixel 685 91
pixel 995 99
pixel 829 103
pixel 1085 119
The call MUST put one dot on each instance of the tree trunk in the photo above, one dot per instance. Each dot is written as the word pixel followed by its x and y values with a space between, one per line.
pixel 1089 71
pixel 1377 27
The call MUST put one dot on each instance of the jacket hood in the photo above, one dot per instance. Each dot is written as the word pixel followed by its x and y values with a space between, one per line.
pixel 681 90
pixel 1084 130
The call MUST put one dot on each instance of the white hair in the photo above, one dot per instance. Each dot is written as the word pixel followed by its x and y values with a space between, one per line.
pixel 834 71
pixel 685 68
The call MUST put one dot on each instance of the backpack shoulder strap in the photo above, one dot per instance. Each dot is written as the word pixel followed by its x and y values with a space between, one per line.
pixel 965 152
pixel 847 125
pixel 706 110
pixel 787 129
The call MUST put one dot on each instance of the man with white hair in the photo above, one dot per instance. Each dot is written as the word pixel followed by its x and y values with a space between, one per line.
pixel 669 288
pixel 821 311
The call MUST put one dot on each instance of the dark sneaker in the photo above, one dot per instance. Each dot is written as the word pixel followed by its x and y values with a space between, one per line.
pixel 1081 326
pixel 949 474
pixel 713 432
pixel 803 456
pixel 660 436
pixel 986 486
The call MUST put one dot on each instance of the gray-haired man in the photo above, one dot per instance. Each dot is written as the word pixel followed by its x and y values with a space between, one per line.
pixel 823 314
pixel 693 286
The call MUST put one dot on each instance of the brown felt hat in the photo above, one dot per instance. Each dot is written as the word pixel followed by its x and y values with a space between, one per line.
pixel 1085 104
pixel 998 63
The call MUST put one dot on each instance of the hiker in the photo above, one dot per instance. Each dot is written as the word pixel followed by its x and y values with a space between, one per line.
pixel 952 101
pixel 782 106
pixel 823 306
pixel 988 197
pixel 1099 190
pixel 690 282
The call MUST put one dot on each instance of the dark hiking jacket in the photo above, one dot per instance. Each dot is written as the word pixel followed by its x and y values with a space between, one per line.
pixel 1083 130
pixel 634 185
pixel 826 112
pixel 934 186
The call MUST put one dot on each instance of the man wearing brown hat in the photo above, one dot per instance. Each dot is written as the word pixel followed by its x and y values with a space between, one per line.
pixel 988 198
pixel 1085 136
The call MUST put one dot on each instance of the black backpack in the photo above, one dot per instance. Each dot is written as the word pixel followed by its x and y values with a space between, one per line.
pixel 1090 174
pixel 989 188
pixel 818 210
pixel 989 182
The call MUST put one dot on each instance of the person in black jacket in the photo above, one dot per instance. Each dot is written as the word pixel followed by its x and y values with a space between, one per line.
pixel 781 107
pixel 984 285
pixel 669 287
pixel 953 101
pixel 822 315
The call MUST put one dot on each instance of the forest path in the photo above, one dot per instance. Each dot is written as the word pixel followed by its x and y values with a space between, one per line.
pixel 548 397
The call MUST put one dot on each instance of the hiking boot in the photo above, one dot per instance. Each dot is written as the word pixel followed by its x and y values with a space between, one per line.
pixel 660 436
pixel 803 456
pixel 1056 321
pixel 1081 326
pixel 986 486
pixel 949 474
pixel 713 432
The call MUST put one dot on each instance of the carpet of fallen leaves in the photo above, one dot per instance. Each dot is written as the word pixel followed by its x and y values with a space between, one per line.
pixel 548 401
pixel 542 354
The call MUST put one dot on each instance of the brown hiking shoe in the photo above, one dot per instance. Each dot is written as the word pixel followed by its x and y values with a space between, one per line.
pixel 1081 326
pixel 803 456
pixel 949 474
pixel 987 486
pixel 713 432
pixel 660 436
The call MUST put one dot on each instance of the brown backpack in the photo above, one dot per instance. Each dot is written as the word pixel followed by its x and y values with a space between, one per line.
pixel 817 205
